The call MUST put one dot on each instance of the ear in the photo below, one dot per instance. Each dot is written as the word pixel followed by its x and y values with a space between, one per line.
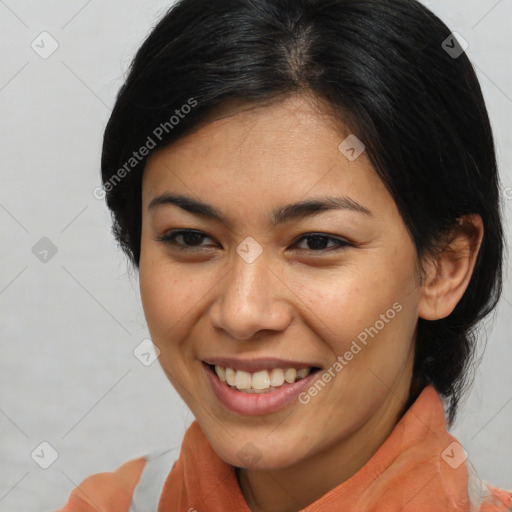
pixel 448 275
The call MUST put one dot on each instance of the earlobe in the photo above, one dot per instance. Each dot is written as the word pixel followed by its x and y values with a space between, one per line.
pixel 448 275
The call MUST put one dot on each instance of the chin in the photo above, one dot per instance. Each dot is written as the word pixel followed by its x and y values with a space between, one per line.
pixel 259 455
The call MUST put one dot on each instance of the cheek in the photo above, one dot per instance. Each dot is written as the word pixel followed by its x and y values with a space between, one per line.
pixel 347 300
pixel 165 293
pixel 370 305
pixel 173 299
pixel 167 302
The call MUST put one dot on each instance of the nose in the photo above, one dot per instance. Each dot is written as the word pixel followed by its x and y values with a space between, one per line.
pixel 251 298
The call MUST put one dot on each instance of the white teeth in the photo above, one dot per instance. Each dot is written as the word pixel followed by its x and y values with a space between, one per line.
pixel 303 372
pixel 276 377
pixel 242 380
pixel 221 372
pixel 261 381
pixel 290 374
pixel 230 376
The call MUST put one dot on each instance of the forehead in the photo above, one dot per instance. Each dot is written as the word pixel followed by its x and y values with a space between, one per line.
pixel 286 150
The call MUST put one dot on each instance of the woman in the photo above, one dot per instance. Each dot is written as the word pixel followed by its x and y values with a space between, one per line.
pixel 309 192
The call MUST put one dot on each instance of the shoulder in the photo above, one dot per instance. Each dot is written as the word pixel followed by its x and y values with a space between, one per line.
pixel 484 497
pixel 496 500
pixel 109 491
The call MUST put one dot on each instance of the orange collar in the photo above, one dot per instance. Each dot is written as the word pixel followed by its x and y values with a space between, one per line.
pixel 417 468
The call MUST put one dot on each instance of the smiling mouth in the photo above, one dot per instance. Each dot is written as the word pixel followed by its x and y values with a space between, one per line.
pixel 260 382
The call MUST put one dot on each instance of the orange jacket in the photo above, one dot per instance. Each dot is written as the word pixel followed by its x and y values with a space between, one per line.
pixel 420 467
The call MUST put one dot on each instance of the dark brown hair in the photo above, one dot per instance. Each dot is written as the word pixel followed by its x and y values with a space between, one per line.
pixel 382 64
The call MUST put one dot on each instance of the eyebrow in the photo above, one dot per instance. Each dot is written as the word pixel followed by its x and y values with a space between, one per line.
pixel 293 211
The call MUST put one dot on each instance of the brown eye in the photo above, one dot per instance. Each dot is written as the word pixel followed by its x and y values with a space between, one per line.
pixel 317 242
pixel 190 239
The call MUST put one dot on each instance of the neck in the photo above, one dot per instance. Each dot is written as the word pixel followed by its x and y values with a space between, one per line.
pixel 295 487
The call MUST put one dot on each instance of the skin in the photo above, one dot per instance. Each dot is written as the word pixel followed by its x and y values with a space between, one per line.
pixel 293 301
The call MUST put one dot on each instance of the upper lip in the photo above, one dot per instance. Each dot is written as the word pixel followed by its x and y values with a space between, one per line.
pixel 257 364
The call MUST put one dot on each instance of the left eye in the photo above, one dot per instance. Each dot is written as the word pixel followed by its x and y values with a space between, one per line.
pixel 318 242
pixel 192 240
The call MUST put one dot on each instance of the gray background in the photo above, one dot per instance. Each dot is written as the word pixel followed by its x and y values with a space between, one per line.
pixel 69 325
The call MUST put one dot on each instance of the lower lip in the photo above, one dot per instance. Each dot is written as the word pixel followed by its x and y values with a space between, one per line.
pixel 252 404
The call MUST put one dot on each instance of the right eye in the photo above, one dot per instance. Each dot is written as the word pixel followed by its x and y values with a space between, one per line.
pixel 191 239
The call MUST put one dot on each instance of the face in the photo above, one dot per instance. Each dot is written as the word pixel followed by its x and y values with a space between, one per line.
pixel 250 283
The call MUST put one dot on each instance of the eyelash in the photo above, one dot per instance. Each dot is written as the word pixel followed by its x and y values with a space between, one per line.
pixel 169 239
